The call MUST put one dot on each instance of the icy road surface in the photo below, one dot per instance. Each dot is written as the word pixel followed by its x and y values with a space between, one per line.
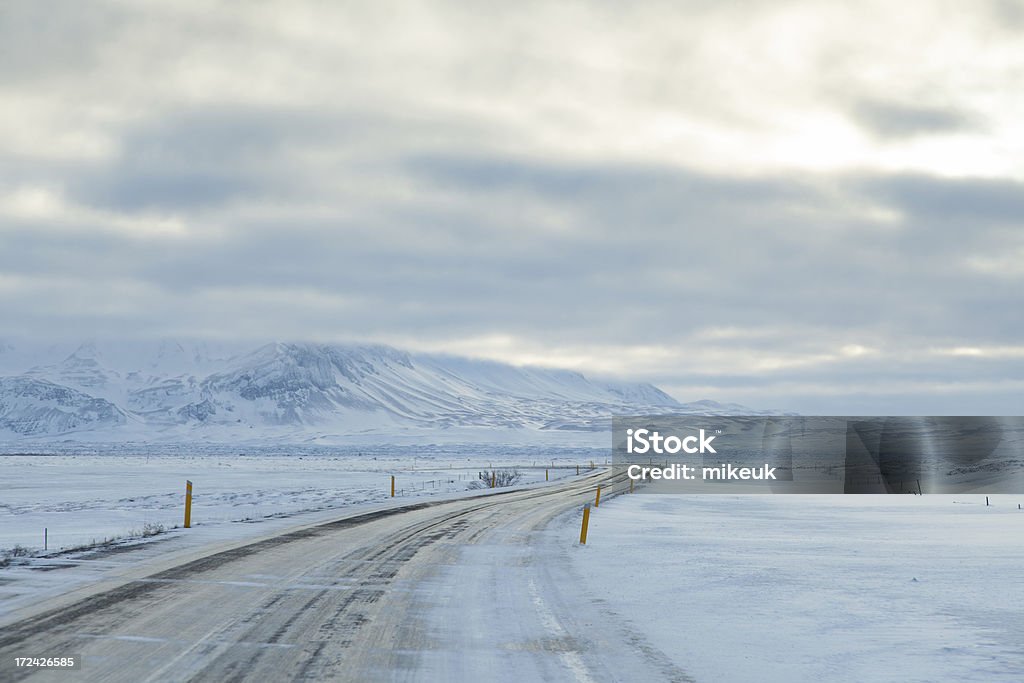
pixel 495 588
pixel 460 590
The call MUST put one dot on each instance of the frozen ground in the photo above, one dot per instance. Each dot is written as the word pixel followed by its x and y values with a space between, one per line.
pixel 812 588
pixel 705 588
pixel 86 497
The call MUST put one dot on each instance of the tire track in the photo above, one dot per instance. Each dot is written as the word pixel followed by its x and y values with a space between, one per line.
pixel 334 615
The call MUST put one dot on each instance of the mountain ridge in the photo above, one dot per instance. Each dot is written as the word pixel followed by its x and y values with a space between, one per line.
pixel 179 391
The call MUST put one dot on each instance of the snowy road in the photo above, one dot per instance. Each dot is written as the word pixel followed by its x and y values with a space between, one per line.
pixel 431 591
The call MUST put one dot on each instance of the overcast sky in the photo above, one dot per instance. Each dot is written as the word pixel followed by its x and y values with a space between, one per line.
pixel 806 205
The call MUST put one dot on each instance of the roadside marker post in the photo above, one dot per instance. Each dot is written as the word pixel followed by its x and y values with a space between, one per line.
pixel 546 475
pixel 188 504
pixel 577 469
pixel 586 522
pixel 494 479
pixel 631 485
pixel 392 486
pixel 597 501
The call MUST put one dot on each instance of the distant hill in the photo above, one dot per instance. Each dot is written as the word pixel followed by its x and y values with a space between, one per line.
pixel 174 391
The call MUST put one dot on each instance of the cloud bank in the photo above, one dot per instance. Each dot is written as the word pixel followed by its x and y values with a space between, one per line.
pixel 803 205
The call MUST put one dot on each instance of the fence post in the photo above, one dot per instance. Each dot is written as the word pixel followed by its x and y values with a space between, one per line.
pixel 586 522
pixel 188 504
pixel 494 478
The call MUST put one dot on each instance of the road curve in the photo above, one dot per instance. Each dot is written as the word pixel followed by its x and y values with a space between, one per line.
pixel 410 593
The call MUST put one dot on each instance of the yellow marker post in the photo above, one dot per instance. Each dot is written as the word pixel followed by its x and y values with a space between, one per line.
pixel 597 501
pixel 546 475
pixel 392 486
pixel 586 523
pixel 188 504
pixel 494 479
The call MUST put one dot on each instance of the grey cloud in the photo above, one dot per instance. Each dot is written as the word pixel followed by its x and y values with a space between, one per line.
pixel 690 251
pixel 657 249
pixel 889 119
pixel 567 182
pixel 728 237
pixel 36 46
pixel 929 200
pixel 862 400
pixel 394 211
pixel 201 159
pixel 1008 13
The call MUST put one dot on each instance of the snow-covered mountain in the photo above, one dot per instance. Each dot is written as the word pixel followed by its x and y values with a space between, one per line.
pixel 37 407
pixel 170 391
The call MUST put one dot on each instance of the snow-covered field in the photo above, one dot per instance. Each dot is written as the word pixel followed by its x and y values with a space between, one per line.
pixel 814 588
pixel 728 587
pixel 83 497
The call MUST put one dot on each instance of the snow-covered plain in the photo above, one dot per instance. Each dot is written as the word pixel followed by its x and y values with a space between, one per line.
pixel 721 587
pixel 812 588
pixel 88 495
